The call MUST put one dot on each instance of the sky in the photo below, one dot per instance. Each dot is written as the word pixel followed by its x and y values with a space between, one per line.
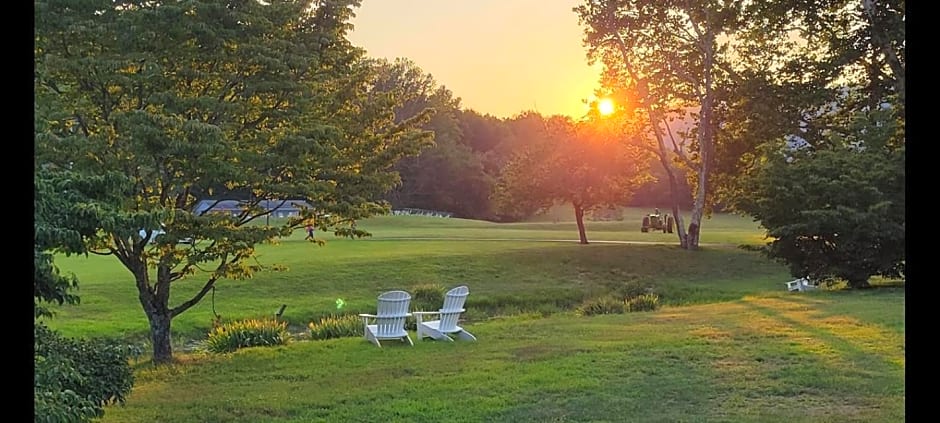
pixel 500 57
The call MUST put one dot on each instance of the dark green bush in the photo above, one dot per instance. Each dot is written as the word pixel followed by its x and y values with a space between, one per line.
pixel 247 333
pixel 427 297
pixel 336 327
pixel 75 379
pixel 602 305
pixel 630 288
pixel 645 302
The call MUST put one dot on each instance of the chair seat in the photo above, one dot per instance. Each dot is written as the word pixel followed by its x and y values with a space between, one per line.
pixel 387 335
pixel 436 325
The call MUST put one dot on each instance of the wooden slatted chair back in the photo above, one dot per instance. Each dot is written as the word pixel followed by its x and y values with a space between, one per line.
pixel 392 311
pixel 453 307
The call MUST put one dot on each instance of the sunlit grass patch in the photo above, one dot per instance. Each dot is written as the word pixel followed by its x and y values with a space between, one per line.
pixel 867 337
pixel 712 334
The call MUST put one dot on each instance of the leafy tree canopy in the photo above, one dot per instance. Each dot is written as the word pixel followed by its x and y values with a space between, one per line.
pixel 837 213
pixel 199 99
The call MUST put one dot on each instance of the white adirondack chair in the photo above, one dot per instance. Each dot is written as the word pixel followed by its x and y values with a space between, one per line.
pixel 390 318
pixel 801 284
pixel 446 324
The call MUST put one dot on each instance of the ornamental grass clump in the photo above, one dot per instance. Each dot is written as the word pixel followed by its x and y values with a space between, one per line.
pixel 247 333
pixel 602 305
pixel 343 326
pixel 645 302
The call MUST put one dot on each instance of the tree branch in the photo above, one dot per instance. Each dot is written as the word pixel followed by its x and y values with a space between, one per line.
pixel 205 289
pixel 675 147
pixel 174 276
pixel 195 299
pixel 890 55
pixel 203 213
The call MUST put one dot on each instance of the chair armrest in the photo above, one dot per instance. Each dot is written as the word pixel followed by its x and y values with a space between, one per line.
pixel 419 315
pixel 387 315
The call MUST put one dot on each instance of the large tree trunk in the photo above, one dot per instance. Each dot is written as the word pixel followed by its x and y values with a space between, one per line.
pixel 676 213
pixel 579 216
pixel 859 284
pixel 695 222
pixel 698 204
pixel 155 302
pixel 160 336
pixel 706 142
pixel 155 299
pixel 673 183
pixel 858 281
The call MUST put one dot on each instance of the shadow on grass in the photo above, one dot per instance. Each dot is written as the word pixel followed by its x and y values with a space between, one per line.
pixel 841 340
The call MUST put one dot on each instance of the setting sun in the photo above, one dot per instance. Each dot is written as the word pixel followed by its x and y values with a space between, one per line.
pixel 605 106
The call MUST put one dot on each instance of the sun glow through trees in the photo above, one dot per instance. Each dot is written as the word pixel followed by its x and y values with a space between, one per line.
pixel 605 106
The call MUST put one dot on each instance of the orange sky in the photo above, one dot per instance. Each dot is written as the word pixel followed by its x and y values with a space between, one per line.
pixel 500 57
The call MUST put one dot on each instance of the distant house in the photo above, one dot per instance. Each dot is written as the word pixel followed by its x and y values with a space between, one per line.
pixel 279 208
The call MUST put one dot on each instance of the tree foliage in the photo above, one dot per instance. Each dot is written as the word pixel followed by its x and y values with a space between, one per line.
pixel 65 209
pixel 75 379
pixel 813 143
pixel 835 214
pixel 450 175
pixel 586 164
pixel 186 99
pixel 817 74
pixel 670 59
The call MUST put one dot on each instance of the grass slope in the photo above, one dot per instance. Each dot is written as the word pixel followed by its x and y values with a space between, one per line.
pixel 503 276
pixel 776 358
pixel 728 346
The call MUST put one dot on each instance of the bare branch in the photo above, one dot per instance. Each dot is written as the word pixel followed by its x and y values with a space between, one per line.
pixel 195 299
pixel 623 53
pixel 202 213
pixel 248 218
pixel 675 147
pixel 81 124
pixel 205 288
pixel 174 276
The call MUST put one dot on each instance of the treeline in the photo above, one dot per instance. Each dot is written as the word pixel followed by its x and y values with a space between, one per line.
pixel 459 174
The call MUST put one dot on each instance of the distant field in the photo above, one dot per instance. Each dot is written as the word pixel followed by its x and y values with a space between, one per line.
pixel 560 224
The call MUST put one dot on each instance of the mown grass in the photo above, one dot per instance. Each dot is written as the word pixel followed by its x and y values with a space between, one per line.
pixel 727 345
pixel 505 277
pixel 773 358
pixel 719 228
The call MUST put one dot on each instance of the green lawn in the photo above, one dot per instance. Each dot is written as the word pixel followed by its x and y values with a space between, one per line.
pixel 729 345
pixel 507 275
